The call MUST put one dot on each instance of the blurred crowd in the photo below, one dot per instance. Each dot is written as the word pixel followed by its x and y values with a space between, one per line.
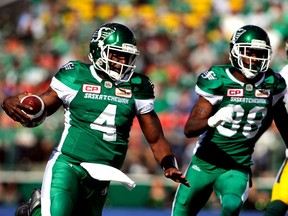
pixel 177 39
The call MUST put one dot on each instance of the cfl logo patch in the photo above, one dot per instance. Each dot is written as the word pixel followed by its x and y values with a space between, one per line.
pixel 235 92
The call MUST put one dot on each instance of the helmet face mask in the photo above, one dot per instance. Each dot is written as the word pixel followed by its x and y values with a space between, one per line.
pixel 113 50
pixel 250 51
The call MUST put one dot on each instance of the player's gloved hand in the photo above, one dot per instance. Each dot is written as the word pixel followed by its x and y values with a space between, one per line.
pixel 223 115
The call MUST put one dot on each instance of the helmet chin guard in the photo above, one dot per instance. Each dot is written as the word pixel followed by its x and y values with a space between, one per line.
pixel 248 74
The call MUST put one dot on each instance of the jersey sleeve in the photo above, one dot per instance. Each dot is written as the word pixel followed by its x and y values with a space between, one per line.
pixel 64 81
pixel 209 85
pixel 280 88
pixel 142 87
pixel 143 92
pixel 68 74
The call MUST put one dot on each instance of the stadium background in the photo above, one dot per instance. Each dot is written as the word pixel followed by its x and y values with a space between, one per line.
pixel 178 39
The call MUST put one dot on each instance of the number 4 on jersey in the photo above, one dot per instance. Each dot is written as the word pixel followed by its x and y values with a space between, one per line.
pixel 106 123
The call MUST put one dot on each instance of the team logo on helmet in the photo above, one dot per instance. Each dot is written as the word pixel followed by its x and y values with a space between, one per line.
pixel 237 34
pixel 101 34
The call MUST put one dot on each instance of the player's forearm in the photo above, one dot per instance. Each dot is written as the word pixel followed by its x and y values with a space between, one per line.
pixel 51 101
pixel 161 149
pixel 197 122
pixel 195 127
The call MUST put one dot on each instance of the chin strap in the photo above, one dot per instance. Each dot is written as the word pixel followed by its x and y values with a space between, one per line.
pixel 248 74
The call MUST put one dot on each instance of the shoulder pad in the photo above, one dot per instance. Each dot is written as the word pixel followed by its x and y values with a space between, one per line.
pixel 275 79
pixel 211 81
pixel 69 72
pixel 142 86
pixel 73 65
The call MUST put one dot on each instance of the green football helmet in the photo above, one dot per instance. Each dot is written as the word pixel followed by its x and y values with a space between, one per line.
pixel 114 38
pixel 250 50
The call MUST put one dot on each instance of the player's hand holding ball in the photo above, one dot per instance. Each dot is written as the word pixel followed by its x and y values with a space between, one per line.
pixel 25 108
pixel 38 112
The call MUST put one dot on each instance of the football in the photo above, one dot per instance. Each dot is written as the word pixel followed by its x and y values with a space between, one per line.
pixel 38 114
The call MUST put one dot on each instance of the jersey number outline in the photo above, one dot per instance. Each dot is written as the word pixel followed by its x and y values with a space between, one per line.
pixel 108 117
pixel 251 128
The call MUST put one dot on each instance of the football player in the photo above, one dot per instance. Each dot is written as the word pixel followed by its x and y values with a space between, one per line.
pixel 100 101
pixel 236 104
pixel 279 200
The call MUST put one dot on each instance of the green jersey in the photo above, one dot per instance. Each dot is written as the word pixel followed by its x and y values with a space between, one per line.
pixel 232 144
pixel 99 113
